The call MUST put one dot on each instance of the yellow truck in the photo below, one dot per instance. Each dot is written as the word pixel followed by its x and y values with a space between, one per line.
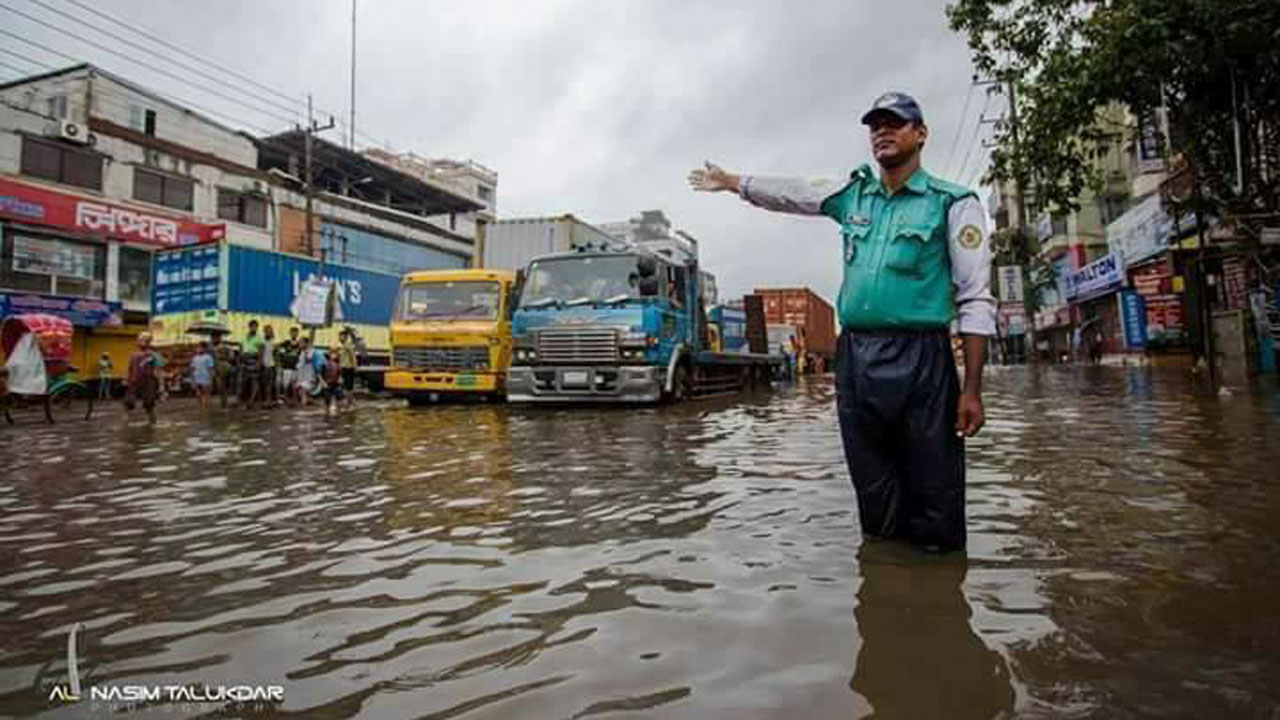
pixel 451 334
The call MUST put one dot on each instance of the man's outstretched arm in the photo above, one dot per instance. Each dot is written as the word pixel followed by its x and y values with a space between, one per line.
pixel 789 195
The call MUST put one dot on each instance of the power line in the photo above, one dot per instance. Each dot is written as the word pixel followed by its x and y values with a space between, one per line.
pixel 14 68
pixel 182 51
pixel 37 63
pixel 977 129
pixel 123 102
pixel 37 45
pixel 133 27
pixel 153 68
pixel 955 140
pixel 149 51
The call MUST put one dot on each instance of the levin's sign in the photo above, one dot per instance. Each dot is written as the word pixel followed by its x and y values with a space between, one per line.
pixel 1100 277
pixel 269 283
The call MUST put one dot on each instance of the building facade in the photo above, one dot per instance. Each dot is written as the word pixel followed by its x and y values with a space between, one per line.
pixel 97 174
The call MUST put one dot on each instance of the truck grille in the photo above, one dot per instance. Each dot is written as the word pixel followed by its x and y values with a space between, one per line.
pixel 443 358
pixel 577 346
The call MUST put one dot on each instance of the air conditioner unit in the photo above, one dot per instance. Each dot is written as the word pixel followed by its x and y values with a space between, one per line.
pixel 76 133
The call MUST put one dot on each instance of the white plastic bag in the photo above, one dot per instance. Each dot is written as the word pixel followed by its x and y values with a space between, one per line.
pixel 26 367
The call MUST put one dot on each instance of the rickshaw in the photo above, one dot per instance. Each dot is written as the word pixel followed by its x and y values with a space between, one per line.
pixel 37 351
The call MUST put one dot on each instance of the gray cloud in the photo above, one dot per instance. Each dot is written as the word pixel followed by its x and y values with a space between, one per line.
pixel 593 107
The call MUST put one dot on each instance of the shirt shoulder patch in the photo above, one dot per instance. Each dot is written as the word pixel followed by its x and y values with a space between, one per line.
pixel 970 237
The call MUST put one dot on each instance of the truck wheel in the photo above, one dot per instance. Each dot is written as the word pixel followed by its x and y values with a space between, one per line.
pixel 679 385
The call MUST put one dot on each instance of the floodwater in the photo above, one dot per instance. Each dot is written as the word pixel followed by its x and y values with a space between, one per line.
pixel 700 561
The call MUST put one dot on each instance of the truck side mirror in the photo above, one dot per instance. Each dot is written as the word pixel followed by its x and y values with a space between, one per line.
pixel 646 266
pixel 513 293
pixel 649 286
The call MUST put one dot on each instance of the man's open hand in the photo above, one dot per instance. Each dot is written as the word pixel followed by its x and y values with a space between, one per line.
pixel 712 178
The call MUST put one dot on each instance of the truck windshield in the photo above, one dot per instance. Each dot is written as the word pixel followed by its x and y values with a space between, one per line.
pixel 472 300
pixel 580 279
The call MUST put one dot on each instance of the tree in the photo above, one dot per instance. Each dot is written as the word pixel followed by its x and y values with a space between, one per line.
pixel 1210 64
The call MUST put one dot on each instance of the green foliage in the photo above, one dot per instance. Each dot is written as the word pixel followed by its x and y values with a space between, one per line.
pixel 1071 60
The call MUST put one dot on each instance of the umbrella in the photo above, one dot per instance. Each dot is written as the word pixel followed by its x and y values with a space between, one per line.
pixel 208 328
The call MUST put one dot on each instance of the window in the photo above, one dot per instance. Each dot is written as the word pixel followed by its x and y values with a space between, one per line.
pixel 485 193
pixel 149 122
pixel 54 266
pixel 56 106
pixel 59 162
pixel 135 274
pixel 675 285
pixel 242 207
pixel 167 190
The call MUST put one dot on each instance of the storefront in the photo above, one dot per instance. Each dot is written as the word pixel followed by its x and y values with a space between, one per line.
pixel 1095 313
pixel 87 260
pixel 1144 237
pixel 1053 334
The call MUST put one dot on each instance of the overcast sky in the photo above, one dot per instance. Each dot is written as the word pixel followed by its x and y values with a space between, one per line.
pixel 595 107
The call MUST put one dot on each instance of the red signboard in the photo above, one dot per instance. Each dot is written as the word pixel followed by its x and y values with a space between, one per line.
pixel 91 216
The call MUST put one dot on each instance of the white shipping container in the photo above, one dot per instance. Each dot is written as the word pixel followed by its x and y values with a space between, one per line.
pixel 510 244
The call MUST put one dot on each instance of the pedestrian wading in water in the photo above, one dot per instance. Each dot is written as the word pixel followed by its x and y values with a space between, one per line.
pixel 143 383
pixel 916 257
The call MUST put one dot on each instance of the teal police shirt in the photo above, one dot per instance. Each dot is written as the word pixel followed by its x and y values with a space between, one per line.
pixel 910 259
pixel 897 269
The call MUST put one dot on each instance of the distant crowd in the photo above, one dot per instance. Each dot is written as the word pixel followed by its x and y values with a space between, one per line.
pixel 259 372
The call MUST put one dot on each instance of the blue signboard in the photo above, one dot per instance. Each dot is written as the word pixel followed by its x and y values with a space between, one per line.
pixel 267 282
pixel 1133 314
pixel 1099 277
pixel 185 279
pixel 82 312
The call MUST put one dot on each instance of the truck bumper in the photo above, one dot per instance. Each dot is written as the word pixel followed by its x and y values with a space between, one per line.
pixel 628 383
pixel 414 382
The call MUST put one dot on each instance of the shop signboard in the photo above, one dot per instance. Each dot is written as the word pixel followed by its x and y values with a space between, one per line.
pixel 81 312
pixel 1164 318
pixel 1012 319
pixel 1133 318
pixel 1234 283
pixel 1098 278
pixel 260 281
pixel 93 216
pixel 186 279
pixel 1010 280
pixel 1151 142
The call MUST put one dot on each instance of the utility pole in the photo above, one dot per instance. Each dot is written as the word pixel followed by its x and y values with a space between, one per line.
pixel 1020 250
pixel 351 126
pixel 312 128
pixel 1021 256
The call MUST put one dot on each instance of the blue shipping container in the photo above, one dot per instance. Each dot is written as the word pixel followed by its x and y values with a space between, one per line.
pixel 267 282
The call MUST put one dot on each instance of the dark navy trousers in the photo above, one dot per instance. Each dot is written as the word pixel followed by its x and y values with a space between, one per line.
pixel 896 395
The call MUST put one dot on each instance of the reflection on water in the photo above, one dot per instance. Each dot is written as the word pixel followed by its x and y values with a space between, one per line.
pixel 914 623
pixel 697 561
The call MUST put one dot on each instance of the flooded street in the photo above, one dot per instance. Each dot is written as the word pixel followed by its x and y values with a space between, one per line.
pixel 698 561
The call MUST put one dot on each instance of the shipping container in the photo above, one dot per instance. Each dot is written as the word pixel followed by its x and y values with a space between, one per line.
pixel 231 285
pixel 805 310
pixel 510 244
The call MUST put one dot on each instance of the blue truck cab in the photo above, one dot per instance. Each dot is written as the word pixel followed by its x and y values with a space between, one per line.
pixel 613 325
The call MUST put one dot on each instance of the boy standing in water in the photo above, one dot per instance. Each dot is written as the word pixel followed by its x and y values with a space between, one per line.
pixel 202 373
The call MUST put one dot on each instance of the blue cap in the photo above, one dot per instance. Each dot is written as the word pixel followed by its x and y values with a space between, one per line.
pixel 900 104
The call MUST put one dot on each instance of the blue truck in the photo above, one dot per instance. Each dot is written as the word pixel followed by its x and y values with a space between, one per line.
pixel 624 324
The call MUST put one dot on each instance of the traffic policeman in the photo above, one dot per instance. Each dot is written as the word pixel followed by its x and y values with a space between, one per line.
pixel 916 259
